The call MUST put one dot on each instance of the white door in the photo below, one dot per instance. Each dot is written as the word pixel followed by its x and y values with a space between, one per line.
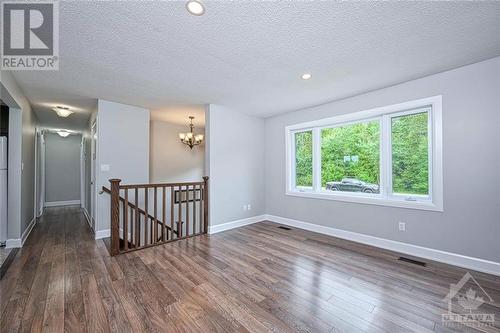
pixel 93 153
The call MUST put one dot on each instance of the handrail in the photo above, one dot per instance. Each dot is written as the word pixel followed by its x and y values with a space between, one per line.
pixel 131 186
pixel 131 205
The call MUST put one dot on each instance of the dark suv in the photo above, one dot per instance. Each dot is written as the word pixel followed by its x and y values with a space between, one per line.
pixel 353 185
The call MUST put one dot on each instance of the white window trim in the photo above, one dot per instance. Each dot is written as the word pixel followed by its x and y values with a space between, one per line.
pixel 432 203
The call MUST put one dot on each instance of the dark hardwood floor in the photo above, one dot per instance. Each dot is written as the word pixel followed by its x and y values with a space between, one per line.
pixel 258 278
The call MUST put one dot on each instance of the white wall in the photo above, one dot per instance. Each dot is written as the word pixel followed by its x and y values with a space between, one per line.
pixel 87 142
pixel 469 224
pixel 123 145
pixel 14 175
pixel 235 161
pixel 171 161
pixel 22 182
pixel 62 168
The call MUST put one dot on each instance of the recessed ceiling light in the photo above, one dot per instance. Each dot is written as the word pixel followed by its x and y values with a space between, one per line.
pixel 195 7
pixel 62 111
pixel 63 133
pixel 306 76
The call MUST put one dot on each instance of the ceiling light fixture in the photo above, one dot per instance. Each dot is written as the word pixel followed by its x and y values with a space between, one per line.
pixel 63 133
pixel 189 138
pixel 62 111
pixel 306 76
pixel 195 7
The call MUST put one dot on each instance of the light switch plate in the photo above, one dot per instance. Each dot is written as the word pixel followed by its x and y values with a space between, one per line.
pixel 105 167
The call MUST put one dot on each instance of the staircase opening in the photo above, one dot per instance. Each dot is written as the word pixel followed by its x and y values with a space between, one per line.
pixel 145 215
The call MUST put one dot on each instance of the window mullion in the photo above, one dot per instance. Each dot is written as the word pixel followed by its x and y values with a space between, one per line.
pixel 293 161
pixel 386 157
pixel 430 154
pixel 316 141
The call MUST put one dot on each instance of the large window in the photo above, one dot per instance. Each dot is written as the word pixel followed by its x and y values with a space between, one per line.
pixel 386 156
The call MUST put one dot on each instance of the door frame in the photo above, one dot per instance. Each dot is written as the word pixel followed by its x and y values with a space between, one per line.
pixel 39 195
pixel 83 199
pixel 93 175
pixel 35 194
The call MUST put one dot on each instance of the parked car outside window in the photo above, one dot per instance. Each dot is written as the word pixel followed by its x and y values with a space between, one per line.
pixel 353 185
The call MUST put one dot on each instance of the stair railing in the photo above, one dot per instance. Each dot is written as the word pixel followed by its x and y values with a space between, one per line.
pixel 177 211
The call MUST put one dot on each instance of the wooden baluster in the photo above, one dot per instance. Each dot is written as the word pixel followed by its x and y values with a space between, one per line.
pixel 179 211
pixel 187 211
pixel 132 229
pixel 201 208
pixel 164 235
pixel 115 216
pixel 137 220
pixel 194 209
pixel 172 191
pixel 125 220
pixel 205 205
pixel 146 220
pixel 155 224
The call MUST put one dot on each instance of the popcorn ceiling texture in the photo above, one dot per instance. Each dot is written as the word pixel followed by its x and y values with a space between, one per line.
pixel 250 55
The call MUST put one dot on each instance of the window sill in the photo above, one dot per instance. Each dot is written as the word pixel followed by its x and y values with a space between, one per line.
pixel 370 200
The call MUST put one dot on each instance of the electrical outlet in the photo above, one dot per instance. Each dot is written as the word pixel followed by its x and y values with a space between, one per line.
pixel 402 226
pixel 244 207
pixel 249 206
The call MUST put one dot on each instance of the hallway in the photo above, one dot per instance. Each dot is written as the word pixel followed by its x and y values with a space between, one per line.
pixel 253 279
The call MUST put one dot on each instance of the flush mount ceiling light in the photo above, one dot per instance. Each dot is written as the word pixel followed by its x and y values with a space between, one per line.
pixel 306 76
pixel 189 138
pixel 63 133
pixel 195 7
pixel 62 111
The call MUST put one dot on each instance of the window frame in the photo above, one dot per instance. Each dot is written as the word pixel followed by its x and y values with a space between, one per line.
pixel 386 197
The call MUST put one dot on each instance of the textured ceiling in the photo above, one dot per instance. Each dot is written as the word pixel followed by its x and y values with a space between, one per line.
pixel 45 100
pixel 249 55
pixel 180 114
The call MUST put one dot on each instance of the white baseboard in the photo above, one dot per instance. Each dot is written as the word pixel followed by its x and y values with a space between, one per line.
pixel 13 243
pixel 476 264
pixel 87 217
pixel 61 203
pixel 235 224
pixel 103 234
pixel 28 230
pixel 19 242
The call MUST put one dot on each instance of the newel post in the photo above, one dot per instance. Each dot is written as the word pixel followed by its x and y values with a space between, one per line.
pixel 205 204
pixel 115 216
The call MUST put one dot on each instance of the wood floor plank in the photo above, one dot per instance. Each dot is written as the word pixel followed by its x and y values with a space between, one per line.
pixel 257 278
pixel 95 313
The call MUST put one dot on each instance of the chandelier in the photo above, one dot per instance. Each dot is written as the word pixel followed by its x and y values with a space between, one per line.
pixel 189 138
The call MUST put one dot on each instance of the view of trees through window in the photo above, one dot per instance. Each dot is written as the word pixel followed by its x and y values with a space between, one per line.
pixel 350 156
pixel 410 154
pixel 303 159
